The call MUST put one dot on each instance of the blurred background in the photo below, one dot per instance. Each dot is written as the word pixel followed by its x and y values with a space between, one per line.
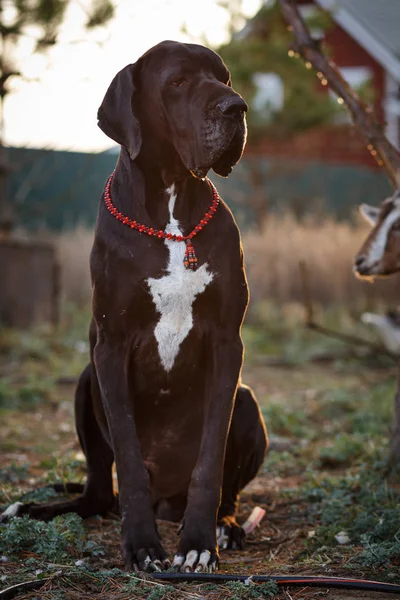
pixel 296 192
pixel 328 401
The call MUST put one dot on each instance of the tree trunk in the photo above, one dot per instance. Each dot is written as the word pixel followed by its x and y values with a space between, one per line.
pixel 30 284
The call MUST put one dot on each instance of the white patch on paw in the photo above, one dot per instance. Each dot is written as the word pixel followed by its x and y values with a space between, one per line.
pixel 223 536
pixel 150 566
pixel 204 561
pixel 174 294
pixel 147 562
pixel 178 560
pixel 191 559
pixel 195 561
pixel 11 511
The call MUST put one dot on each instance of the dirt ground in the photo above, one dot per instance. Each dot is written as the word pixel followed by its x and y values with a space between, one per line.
pixel 39 444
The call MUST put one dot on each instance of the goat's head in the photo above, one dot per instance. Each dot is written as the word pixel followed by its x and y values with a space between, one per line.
pixel 380 253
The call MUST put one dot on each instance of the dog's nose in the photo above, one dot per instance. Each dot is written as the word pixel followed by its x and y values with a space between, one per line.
pixel 233 106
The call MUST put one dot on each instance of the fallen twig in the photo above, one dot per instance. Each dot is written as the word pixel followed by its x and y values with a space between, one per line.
pixel 310 323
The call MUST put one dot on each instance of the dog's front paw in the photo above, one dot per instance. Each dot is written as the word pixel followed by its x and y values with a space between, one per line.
pixel 197 561
pixel 196 553
pixel 143 552
pixel 230 535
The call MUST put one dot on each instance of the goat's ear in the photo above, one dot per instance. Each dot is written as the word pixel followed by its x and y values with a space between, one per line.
pixel 116 114
pixel 370 213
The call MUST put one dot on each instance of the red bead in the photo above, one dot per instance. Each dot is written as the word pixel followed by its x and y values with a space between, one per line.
pixel 190 261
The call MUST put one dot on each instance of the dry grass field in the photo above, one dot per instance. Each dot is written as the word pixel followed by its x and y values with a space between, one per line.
pixel 272 262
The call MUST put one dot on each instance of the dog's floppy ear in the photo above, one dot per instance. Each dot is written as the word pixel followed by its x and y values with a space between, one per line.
pixel 115 115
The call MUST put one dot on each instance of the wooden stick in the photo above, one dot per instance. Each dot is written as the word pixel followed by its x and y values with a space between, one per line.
pixel 363 117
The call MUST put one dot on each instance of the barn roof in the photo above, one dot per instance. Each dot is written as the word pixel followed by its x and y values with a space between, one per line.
pixel 374 24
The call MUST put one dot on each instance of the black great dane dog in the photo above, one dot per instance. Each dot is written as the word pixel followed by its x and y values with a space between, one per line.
pixel 162 395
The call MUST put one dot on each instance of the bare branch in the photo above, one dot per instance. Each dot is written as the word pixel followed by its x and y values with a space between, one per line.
pixel 346 338
pixel 362 115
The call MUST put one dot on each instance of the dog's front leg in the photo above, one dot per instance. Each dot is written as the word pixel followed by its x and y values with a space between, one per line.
pixel 198 544
pixel 141 546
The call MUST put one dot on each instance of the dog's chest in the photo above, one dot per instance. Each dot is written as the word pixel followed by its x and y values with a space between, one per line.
pixel 173 294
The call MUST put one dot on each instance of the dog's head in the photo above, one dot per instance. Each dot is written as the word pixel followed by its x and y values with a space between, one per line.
pixel 177 98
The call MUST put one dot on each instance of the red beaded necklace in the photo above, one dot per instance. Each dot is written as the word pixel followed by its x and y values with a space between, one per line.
pixel 190 260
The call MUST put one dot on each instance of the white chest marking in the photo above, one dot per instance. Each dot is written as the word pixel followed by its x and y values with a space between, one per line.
pixel 174 294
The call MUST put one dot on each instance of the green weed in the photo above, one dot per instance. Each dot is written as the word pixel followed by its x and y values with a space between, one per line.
pixel 63 469
pixel 284 420
pixel 26 395
pixel 58 541
pixel 362 506
pixel 345 450
pixel 250 590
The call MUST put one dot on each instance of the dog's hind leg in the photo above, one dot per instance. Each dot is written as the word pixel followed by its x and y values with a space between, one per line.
pixel 97 496
pixel 246 447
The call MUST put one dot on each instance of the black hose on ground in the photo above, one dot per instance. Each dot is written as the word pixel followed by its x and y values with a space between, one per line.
pixel 293 580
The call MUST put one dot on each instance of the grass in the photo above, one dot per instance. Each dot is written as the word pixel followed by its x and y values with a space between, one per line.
pixel 324 479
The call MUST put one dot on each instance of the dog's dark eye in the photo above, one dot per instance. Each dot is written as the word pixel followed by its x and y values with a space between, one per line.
pixel 178 82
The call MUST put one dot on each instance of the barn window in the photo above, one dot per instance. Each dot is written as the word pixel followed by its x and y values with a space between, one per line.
pixel 269 96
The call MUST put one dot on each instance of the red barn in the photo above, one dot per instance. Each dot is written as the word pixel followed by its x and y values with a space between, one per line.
pixel 365 44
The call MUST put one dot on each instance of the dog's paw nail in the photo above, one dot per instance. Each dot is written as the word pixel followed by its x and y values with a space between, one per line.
pixel 151 566
pixel 178 560
pixel 204 561
pixel 191 560
pixel 155 566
